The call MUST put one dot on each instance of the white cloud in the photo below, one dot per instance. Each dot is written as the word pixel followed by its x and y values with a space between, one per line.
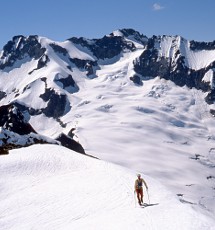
pixel 157 6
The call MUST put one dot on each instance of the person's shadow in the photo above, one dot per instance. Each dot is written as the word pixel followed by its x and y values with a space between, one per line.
pixel 148 205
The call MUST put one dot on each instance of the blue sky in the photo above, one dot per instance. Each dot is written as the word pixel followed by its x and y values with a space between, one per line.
pixel 61 19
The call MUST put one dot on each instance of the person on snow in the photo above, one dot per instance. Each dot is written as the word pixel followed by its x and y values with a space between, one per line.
pixel 138 186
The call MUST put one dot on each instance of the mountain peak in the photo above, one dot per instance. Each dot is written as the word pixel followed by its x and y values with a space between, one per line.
pixel 20 47
pixel 125 32
pixel 130 34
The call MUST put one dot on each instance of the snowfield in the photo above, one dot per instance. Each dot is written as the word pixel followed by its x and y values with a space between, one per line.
pixel 164 131
pixel 51 187
pixel 161 129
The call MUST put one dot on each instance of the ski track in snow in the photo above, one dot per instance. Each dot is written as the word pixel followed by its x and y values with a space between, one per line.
pixel 50 187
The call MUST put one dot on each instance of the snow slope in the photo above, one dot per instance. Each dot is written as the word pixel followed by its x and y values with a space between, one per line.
pixel 161 129
pixel 158 128
pixel 50 187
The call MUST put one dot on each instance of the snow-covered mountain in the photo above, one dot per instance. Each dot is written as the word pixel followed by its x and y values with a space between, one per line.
pixel 143 103
pixel 40 75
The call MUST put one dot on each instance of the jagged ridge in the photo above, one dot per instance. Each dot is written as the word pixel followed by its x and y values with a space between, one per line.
pixel 169 57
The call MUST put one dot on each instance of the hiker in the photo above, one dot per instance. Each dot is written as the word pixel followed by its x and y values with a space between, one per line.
pixel 138 186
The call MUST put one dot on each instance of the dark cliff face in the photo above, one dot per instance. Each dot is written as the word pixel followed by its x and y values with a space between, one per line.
pixel 69 143
pixel 57 103
pixel 151 65
pixel 110 46
pixel 13 122
pixel 12 119
pixel 136 36
pixel 15 131
pixel 21 47
pixel 106 47
pixel 194 45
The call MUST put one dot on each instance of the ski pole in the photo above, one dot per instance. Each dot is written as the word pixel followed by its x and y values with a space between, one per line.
pixel 134 199
pixel 148 195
